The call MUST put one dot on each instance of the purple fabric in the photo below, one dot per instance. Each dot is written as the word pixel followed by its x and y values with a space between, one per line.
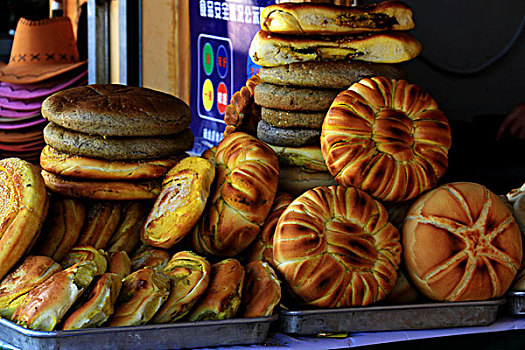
pixel 21 105
pixel 13 126
pixel 46 88
pixel 11 113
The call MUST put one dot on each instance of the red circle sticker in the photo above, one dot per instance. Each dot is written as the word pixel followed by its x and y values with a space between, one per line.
pixel 222 97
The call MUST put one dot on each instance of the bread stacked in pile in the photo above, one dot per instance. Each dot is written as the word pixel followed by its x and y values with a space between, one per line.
pixel 112 142
pixel 309 53
pixel 219 237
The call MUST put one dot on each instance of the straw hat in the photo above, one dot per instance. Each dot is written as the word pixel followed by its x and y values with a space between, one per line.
pixel 41 50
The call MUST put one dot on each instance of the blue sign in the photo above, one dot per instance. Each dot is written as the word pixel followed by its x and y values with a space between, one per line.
pixel 221 32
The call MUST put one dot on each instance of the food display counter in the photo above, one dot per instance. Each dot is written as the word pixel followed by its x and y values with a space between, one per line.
pixel 266 176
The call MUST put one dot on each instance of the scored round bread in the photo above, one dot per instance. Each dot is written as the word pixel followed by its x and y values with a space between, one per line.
pixel 117 148
pixel 23 209
pixel 461 243
pixel 328 19
pixel 70 165
pixel 387 137
pixel 339 74
pixel 245 185
pixel 185 190
pixel 102 190
pixel 334 247
pixel 270 50
pixel 117 110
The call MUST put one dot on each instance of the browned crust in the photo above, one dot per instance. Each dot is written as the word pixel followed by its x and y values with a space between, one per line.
pixel 104 190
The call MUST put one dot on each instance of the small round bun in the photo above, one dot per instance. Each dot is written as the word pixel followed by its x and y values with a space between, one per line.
pixel 117 110
pixel 461 243
pixel 334 247
pixel 245 185
pixel 386 137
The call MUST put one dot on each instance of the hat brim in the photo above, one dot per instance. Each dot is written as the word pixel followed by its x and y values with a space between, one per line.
pixel 28 74
pixel 43 88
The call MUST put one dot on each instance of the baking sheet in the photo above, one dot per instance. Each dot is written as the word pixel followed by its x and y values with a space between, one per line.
pixel 388 318
pixel 161 336
pixel 515 305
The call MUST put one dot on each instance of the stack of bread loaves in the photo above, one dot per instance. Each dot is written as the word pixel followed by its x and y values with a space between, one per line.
pixel 112 142
pixel 309 53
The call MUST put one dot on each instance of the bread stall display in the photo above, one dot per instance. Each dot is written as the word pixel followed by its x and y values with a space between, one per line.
pixel 322 207
pixel 309 53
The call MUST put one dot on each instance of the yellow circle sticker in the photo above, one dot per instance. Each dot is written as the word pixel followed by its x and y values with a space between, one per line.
pixel 207 95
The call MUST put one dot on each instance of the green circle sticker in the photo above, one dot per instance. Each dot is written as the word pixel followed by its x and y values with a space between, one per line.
pixel 207 58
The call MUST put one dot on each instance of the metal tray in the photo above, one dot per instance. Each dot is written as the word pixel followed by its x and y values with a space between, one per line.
pixel 515 305
pixel 389 318
pixel 159 336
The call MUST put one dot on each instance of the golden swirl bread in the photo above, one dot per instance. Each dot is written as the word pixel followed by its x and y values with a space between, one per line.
pixel 120 264
pixel 242 114
pixel 30 273
pixel 387 137
pixel 127 234
pixel 142 294
pixel 98 306
pixel 62 227
pixel 149 256
pixel 245 185
pixel 262 246
pixel 461 243
pixel 82 253
pixel 40 312
pixel 102 220
pixel 328 19
pixel 262 290
pixel 223 296
pixel 334 247
pixel 185 190
pixel 189 276
pixel 71 165
pixel 23 208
